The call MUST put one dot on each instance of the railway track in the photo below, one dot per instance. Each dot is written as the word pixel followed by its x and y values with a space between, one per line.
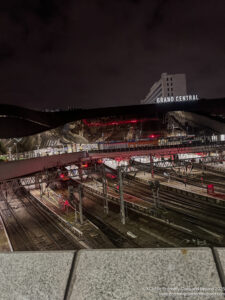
pixel 209 177
pixel 116 237
pixel 182 201
pixel 197 216
pixel 33 228
pixel 18 237
pixel 167 234
pixel 195 180
pixel 181 213
pixel 184 228
pixel 208 212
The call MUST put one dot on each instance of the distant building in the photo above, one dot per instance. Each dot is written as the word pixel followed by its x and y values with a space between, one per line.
pixel 167 86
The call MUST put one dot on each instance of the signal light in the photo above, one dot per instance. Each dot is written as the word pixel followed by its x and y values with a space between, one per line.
pixel 110 175
pixel 62 176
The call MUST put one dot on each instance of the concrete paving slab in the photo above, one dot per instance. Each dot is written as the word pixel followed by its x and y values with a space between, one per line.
pixel 34 275
pixel 220 255
pixel 146 274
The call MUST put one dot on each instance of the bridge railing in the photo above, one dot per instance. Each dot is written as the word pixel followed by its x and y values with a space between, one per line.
pixel 201 141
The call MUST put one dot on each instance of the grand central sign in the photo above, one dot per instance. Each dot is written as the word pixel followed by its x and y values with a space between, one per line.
pixel 177 99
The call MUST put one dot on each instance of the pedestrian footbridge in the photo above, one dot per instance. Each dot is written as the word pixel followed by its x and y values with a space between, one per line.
pixel 20 168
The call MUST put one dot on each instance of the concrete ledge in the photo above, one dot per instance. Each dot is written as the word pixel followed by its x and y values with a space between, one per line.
pixel 143 273
pixel 34 275
pixel 220 258
pixel 131 274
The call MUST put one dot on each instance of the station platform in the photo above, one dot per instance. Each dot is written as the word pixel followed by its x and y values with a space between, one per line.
pixel 5 244
pixel 201 191
pixel 128 274
pixel 89 236
pixel 217 167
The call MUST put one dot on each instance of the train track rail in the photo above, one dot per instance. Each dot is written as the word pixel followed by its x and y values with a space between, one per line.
pixel 119 239
pixel 182 201
pixel 18 237
pixel 194 211
pixel 33 228
pixel 175 235
pixel 186 225
pixel 195 180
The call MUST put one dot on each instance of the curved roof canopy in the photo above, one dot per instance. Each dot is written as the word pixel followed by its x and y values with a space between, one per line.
pixel 17 121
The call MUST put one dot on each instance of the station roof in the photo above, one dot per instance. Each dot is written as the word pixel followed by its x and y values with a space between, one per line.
pixel 18 121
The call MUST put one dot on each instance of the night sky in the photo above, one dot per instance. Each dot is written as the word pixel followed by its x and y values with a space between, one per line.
pixel 60 53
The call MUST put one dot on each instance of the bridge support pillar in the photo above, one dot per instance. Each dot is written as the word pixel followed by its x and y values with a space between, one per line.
pixel 122 210
pixel 80 190
pixel 37 185
pixel 104 183
pixel 151 166
pixel 80 173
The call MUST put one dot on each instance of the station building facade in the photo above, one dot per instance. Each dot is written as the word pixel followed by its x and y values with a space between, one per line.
pixel 169 85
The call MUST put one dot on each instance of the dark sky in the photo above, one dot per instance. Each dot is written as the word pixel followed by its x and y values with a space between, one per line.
pixel 56 53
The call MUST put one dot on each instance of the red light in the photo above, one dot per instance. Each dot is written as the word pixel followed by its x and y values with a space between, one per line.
pixel 109 175
pixel 85 166
pixel 152 136
pixel 118 159
pixel 66 203
pixel 101 124
pixel 201 154
pixel 62 176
